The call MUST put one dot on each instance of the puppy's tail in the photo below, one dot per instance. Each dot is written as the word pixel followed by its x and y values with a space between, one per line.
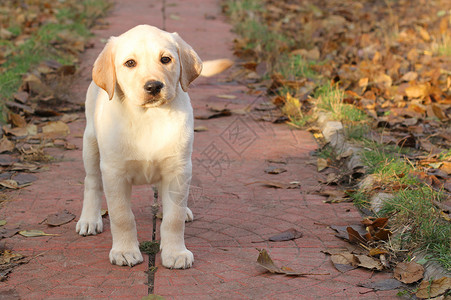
pixel 213 67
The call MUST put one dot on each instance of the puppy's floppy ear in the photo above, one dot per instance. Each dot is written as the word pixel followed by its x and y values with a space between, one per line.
pixel 104 72
pixel 190 63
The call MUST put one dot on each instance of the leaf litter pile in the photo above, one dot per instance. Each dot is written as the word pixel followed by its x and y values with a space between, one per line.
pixel 39 46
pixel 382 69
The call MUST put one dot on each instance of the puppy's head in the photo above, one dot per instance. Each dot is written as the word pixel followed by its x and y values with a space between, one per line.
pixel 145 65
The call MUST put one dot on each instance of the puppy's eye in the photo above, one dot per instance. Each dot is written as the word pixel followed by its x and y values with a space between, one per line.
pixel 165 60
pixel 131 63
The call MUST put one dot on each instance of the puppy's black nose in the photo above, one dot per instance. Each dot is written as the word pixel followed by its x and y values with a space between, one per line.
pixel 153 87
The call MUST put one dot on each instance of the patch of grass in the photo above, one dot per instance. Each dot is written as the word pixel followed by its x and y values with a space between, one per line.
pixel 413 215
pixel 418 221
pixel 360 200
pixel 260 37
pixel 330 99
pixel 293 67
pixel 388 167
pixel 326 152
pixel 73 20
pixel 357 131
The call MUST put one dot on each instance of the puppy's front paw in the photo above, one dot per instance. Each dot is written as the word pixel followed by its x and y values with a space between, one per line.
pixel 174 259
pixel 90 226
pixel 189 215
pixel 129 257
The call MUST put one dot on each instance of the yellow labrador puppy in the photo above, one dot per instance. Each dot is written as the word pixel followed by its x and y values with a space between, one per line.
pixel 140 131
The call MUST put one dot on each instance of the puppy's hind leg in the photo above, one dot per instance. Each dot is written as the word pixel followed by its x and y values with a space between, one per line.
pixel 90 222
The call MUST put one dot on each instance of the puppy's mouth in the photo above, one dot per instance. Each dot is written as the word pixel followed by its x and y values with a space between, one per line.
pixel 153 102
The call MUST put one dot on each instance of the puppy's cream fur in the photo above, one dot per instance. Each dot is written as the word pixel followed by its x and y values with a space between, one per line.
pixel 133 137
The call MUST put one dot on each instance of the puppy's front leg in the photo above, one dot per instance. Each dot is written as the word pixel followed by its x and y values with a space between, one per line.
pixel 125 250
pixel 174 199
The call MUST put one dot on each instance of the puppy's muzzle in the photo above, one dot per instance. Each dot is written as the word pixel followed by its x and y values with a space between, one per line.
pixel 153 87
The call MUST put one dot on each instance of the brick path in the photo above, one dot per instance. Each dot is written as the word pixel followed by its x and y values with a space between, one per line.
pixel 229 212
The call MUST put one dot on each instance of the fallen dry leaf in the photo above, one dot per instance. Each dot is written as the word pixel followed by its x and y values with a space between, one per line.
pixel 287 235
pixel 408 272
pixel 437 287
pixel 9 183
pixel 6 145
pixel 200 128
pixel 34 233
pixel 7 256
pixel 368 262
pixel 216 114
pixel 276 184
pixel 321 164
pixel 382 285
pixel 58 128
pixel 275 170
pixel 354 236
pixel 59 218
pixel 266 262
pixel 344 261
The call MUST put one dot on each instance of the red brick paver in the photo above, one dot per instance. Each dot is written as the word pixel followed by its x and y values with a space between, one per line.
pixel 230 212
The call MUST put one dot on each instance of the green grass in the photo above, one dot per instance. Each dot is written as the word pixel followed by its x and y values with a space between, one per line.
pixel 411 211
pixel 357 131
pixel 260 37
pixel 40 47
pixel 330 99
pixel 295 67
pixel 419 221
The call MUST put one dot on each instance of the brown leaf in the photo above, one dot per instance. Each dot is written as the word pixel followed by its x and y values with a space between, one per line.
pixel 276 184
pixel 266 262
pixel 369 262
pixel 216 114
pixel 321 164
pixel 409 76
pixel 17 120
pixel 446 167
pixel 438 112
pixel 409 141
pixel 275 170
pixel 377 251
pixel 60 218
pixel 287 235
pixel 6 145
pixel 433 289
pixel 408 272
pixel 56 128
pixel 377 223
pixel 335 196
pixel 382 235
pixel 354 236
pixel 342 231
pixel 382 285
pixel 344 261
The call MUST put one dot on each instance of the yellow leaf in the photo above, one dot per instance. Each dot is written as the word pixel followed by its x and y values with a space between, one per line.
pixel 292 107
pixel 416 91
pixel 363 82
pixel 33 233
